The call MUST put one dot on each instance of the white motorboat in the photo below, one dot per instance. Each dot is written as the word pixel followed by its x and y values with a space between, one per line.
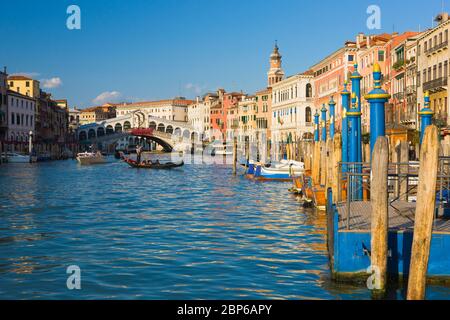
pixel 89 158
pixel 219 149
pixel 13 157
pixel 289 164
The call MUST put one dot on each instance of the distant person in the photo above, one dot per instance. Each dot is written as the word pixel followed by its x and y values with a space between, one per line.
pixel 138 153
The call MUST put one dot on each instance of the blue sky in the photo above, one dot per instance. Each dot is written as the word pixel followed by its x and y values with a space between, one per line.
pixel 154 49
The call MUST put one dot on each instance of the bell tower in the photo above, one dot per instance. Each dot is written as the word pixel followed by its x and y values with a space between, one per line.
pixel 276 73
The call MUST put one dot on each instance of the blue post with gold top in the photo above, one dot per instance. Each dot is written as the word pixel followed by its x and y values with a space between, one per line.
pixel 316 127
pixel 377 99
pixel 426 116
pixel 354 118
pixel 332 105
pixel 345 94
pixel 356 89
pixel 324 123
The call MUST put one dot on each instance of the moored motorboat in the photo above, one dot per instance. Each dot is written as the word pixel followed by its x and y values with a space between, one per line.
pixel 89 158
pixel 153 165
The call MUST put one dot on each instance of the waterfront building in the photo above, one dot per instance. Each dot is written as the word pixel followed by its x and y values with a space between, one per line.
pixel 292 108
pixel 97 114
pixel 330 75
pixel 24 85
pixel 219 112
pixel 371 50
pixel 263 114
pixel 247 119
pixel 3 105
pixel 62 103
pixel 21 117
pixel 433 70
pixel 175 109
pixel 395 83
pixel 199 113
pixel 53 124
pixel 74 119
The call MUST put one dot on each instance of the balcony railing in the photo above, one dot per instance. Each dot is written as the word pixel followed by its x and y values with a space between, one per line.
pixel 411 89
pixel 437 48
pixel 435 84
pixel 398 96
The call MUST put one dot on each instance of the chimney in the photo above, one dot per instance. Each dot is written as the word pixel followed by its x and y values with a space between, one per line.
pixel 359 39
pixel 198 99
pixel 441 18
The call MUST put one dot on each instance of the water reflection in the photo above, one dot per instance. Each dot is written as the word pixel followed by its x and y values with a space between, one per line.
pixel 191 233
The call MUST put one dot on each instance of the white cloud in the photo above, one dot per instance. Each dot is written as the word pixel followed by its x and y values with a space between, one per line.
pixel 107 96
pixel 196 88
pixel 51 83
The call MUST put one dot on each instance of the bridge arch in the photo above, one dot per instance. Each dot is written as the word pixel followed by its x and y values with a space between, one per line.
pixel 161 127
pixel 91 134
pixel 109 130
pixel 169 129
pixel 186 134
pixel 152 125
pixel 82 136
pixel 177 132
pixel 100 132
pixel 126 126
pixel 118 127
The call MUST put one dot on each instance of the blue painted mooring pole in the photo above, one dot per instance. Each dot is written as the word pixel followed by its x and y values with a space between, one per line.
pixel 356 89
pixel 377 99
pixel 316 127
pixel 332 105
pixel 345 106
pixel 324 123
pixel 426 116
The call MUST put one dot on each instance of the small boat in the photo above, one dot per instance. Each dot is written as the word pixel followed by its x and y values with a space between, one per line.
pixel 219 149
pixel 89 158
pixel 13 157
pixel 153 165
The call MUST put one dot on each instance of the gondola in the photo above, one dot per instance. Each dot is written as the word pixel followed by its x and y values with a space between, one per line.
pixel 152 165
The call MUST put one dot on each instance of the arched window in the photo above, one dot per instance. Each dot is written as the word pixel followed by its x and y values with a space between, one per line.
pixel 309 90
pixel 308 115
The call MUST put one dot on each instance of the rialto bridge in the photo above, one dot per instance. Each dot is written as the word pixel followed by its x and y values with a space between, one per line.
pixel 165 132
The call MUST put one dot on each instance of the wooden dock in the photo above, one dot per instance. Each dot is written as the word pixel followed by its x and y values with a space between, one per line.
pixel 401 217
pixel 349 241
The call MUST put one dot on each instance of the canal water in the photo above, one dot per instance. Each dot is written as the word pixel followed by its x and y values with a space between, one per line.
pixel 191 233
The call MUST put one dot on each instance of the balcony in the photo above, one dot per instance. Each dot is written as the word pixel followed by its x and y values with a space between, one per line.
pixel 437 48
pixel 411 90
pixel 399 96
pixel 438 84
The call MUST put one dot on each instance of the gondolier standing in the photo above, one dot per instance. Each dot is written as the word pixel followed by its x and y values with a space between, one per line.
pixel 138 153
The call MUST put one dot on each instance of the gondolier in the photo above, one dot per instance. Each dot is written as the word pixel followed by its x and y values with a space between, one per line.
pixel 138 153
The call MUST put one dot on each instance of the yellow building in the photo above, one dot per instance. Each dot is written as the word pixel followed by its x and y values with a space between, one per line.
pixel 24 85
pixel 433 69
pixel 97 114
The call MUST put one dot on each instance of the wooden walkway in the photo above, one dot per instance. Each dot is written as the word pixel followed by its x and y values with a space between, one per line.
pixel 401 217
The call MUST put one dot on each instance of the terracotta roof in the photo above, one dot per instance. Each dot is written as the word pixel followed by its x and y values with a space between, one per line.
pixel 19 78
pixel 159 102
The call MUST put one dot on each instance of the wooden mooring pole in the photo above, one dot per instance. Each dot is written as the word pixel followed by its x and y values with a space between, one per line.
pixel 425 210
pixel 337 158
pixel 234 155
pixel 380 217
